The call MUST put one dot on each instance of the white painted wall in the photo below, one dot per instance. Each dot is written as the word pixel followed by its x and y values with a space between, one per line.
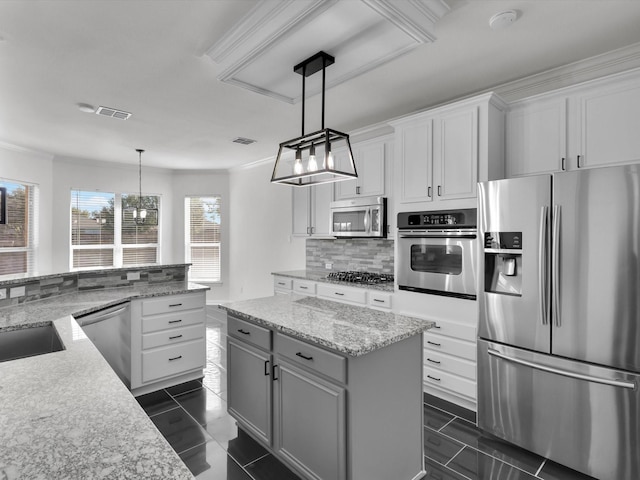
pixel 72 173
pixel 260 228
pixel 27 166
pixel 203 183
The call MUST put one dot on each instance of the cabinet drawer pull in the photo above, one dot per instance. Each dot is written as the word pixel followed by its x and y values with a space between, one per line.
pixel 281 283
pixel 433 378
pixel 243 332
pixel 299 354
pixel 434 343
pixel 437 326
pixel 174 337
pixel 433 361
pixel 175 358
pixel 273 373
pixel 175 321
pixel 303 287
pixel 266 368
pixel 338 293
pixel 175 305
pixel 378 300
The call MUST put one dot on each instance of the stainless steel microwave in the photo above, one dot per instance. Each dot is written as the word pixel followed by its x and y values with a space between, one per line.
pixel 359 217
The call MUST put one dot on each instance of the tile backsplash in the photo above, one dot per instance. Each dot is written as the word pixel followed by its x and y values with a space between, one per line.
pixel 361 254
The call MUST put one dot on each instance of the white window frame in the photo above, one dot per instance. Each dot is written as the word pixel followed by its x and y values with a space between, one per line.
pixel 117 244
pixel 187 240
pixel 33 232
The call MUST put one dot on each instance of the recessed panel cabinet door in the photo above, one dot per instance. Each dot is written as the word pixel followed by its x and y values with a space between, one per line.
pixel 249 387
pixel 416 151
pixel 310 419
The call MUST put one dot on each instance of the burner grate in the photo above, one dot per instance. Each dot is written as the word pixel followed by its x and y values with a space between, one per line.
pixel 361 277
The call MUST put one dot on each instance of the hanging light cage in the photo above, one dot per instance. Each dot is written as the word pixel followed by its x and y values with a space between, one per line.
pixel 139 214
pixel 323 156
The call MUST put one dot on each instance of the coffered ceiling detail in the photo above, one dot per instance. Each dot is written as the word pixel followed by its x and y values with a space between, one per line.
pixel 259 52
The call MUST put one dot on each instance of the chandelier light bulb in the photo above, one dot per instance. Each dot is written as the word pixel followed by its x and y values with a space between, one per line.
pixel 297 167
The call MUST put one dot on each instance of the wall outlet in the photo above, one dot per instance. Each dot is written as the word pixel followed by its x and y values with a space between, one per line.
pixel 133 275
pixel 3 293
pixel 328 266
pixel 17 292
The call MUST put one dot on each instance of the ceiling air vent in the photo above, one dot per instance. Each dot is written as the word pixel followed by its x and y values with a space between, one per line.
pixel 112 112
pixel 243 141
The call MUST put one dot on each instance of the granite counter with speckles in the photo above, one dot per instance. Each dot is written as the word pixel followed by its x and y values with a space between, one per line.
pixel 344 328
pixel 66 414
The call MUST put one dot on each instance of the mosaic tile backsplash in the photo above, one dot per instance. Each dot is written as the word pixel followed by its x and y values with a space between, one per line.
pixel 37 288
pixel 362 254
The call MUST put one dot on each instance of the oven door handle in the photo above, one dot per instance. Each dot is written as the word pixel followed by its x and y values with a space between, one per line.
pixel 367 215
pixel 437 235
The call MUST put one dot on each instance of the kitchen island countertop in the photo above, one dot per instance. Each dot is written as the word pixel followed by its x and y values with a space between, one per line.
pixel 66 414
pixel 348 329
pixel 321 276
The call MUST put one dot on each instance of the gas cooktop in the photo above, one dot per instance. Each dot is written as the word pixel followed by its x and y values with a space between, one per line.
pixel 361 277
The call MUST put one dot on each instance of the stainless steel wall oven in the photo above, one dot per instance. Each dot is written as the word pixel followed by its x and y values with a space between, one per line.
pixel 437 252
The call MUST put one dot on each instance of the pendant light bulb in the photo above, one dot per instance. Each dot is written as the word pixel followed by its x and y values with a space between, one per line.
pixel 297 167
pixel 312 165
pixel 329 162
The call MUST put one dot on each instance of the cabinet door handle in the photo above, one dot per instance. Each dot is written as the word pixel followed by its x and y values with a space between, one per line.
pixel 562 165
pixel 338 293
pixel 175 321
pixel 579 160
pixel 308 230
pixel 299 354
pixel 434 343
pixel 429 192
pixel 357 190
pixel 273 373
pixel 174 337
pixel 175 305
pixel 175 358
pixel 266 368
pixel 439 190
pixel 433 378
pixel 243 332
pixel 433 361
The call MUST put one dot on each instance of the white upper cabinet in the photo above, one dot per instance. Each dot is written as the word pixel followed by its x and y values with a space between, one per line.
pixel 444 152
pixel 370 158
pixel 537 137
pixel 594 124
pixel 311 215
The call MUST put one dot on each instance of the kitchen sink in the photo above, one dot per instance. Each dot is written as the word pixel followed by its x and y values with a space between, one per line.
pixel 28 342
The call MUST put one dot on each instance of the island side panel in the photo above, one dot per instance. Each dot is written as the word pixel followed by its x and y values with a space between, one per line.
pixel 385 420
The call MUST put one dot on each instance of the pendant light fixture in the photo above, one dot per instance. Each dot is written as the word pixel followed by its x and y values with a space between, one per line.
pixel 297 163
pixel 139 213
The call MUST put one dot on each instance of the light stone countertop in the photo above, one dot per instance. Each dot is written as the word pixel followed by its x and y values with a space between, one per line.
pixel 347 329
pixel 321 276
pixel 66 414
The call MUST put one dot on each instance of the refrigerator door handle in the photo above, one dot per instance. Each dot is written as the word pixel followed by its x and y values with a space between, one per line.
pixel 542 265
pixel 555 274
pixel 566 373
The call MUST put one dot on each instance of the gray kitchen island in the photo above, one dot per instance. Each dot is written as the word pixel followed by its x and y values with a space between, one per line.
pixel 333 390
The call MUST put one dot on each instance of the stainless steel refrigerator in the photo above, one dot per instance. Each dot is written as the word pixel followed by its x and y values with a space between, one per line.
pixel 559 317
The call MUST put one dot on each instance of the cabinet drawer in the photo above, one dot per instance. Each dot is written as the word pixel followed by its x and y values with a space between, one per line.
pixel 172 303
pixel 461 331
pixel 380 300
pixel 451 346
pixel 437 361
pixel 249 332
pixel 342 294
pixel 304 287
pixel 173 360
pixel 172 320
pixel 282 283
pixel 174 335
pixel 315 358
pixel 450 382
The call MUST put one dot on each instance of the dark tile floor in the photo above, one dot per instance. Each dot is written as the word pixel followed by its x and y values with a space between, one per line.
pixel 193 418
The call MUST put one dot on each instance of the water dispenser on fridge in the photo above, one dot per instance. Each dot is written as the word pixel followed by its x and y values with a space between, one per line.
pixel 503 263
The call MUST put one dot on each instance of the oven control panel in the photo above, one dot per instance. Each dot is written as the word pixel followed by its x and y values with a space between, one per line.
pixel 464 218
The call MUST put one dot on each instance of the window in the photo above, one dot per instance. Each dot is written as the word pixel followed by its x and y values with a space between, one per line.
pixel 202 237
pixel 18 237
pixel 104 233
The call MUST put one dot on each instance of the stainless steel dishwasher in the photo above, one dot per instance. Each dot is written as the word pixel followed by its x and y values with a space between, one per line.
pixel 110 331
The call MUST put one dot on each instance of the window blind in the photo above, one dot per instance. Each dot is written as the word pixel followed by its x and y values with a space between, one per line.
pixel 202 237
pixel 19 236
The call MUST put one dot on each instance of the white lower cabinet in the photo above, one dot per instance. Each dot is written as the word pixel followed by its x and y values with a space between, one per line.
pixel 450 362
pixel 168 341
pixel 313 408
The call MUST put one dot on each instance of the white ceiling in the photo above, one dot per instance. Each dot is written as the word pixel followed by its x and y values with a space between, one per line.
pixel 150 58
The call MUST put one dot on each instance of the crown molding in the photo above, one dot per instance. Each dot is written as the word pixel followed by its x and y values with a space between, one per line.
pixel 18 149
